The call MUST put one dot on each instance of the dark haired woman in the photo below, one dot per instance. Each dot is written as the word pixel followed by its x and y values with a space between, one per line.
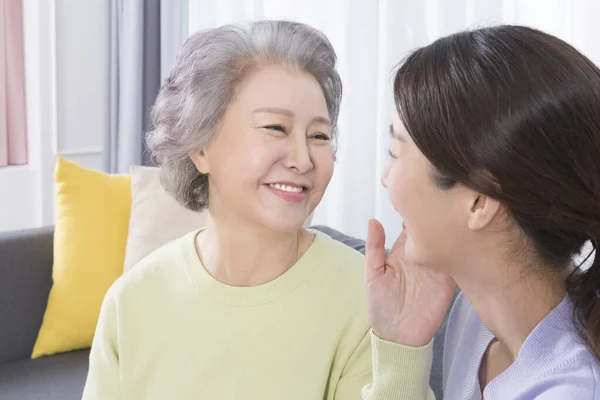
pixel 495 169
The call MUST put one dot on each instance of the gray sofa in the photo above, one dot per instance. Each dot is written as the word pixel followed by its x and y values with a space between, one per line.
pixel 25 281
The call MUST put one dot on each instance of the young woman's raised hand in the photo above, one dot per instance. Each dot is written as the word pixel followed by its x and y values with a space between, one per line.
pixel 406 304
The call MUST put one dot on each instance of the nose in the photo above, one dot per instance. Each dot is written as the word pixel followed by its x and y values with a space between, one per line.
pixel 298 157
pixel 384 175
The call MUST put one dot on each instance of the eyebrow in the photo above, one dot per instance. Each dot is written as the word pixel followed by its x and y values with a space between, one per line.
pixel 395 134
pixel 289 113
pixel 274 110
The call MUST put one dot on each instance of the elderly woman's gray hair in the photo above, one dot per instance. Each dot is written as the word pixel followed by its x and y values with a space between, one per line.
pixel 211 63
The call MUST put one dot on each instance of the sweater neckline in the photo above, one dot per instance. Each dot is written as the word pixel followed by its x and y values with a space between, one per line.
pixel 248 296
pixel 536 348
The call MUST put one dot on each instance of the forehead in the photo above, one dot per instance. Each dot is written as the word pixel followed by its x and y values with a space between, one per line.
pixel 270 86
pixel 398 131
pixel 396 122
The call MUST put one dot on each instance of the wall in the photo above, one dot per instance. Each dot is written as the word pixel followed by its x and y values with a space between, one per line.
pixel 82 51
pixel 66 50
pixel 17 198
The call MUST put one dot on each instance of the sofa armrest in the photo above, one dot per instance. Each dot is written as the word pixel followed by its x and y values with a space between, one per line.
pixel 356 244
pixel 25 282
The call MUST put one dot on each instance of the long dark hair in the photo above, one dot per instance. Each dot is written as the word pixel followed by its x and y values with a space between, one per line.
pixel 514 113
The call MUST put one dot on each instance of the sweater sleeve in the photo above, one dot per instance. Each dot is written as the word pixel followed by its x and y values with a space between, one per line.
pixel 103 380
pixel 380 370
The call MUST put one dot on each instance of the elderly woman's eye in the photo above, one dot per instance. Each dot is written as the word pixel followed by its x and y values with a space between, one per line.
pixel 321 136
pixel 279 128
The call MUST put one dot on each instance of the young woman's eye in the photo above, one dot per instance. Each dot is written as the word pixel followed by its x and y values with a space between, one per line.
pixel 391 154
pixel 279 128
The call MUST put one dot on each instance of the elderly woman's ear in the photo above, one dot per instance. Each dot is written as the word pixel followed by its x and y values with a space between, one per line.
pixel 200 160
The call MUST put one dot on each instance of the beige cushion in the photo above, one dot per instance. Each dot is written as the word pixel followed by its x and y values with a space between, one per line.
pixel 157 218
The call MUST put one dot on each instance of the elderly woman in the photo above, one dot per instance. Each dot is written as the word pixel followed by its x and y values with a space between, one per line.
pixel 254 306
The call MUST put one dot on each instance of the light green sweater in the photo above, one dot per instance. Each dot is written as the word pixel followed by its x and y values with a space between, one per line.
pixel 168 330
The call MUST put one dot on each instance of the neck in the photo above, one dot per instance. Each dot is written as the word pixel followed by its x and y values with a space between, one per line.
pixel 510 302
pixel 239 254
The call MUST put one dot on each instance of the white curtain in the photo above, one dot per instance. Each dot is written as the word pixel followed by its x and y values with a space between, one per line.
pixel 173 31
pixel 122 141
pixel 133 78
pixel 370 39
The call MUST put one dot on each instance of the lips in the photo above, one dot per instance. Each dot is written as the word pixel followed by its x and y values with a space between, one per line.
pixel 290 192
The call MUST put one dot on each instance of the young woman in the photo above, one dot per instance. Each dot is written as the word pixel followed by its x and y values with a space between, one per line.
pixel 495 169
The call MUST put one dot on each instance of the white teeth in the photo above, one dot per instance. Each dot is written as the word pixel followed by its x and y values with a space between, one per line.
pixel 286 188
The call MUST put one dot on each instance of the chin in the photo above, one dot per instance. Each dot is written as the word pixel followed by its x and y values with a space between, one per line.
pixel 284 224
pixel 412 255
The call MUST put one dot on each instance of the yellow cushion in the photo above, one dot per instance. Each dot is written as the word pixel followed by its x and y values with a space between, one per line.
pixel 92 219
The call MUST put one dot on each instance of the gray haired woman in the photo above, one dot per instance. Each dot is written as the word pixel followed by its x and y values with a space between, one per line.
pixel 254 306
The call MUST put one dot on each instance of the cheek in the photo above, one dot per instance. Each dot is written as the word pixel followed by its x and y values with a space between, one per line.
pixel 252 162
pixel 323 160
pixel 399 188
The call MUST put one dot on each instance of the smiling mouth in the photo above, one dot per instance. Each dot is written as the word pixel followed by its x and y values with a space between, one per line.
pixel 287 188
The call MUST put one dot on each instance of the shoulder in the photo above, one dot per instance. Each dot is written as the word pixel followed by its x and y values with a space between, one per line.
pixel 578 379
pixel 155 272
pixel 336 283
pixel 339 262
pixel 572 372
pixel 338 254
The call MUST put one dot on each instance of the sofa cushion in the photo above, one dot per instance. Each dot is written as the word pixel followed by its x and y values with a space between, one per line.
pixel 156 217
pixel 58 377
pixel 92 219
pixel 25 281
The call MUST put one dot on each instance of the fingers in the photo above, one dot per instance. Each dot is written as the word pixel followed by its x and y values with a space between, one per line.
pixel 375 247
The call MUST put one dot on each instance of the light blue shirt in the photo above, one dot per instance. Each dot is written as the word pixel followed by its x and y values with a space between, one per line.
pixel 553 363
